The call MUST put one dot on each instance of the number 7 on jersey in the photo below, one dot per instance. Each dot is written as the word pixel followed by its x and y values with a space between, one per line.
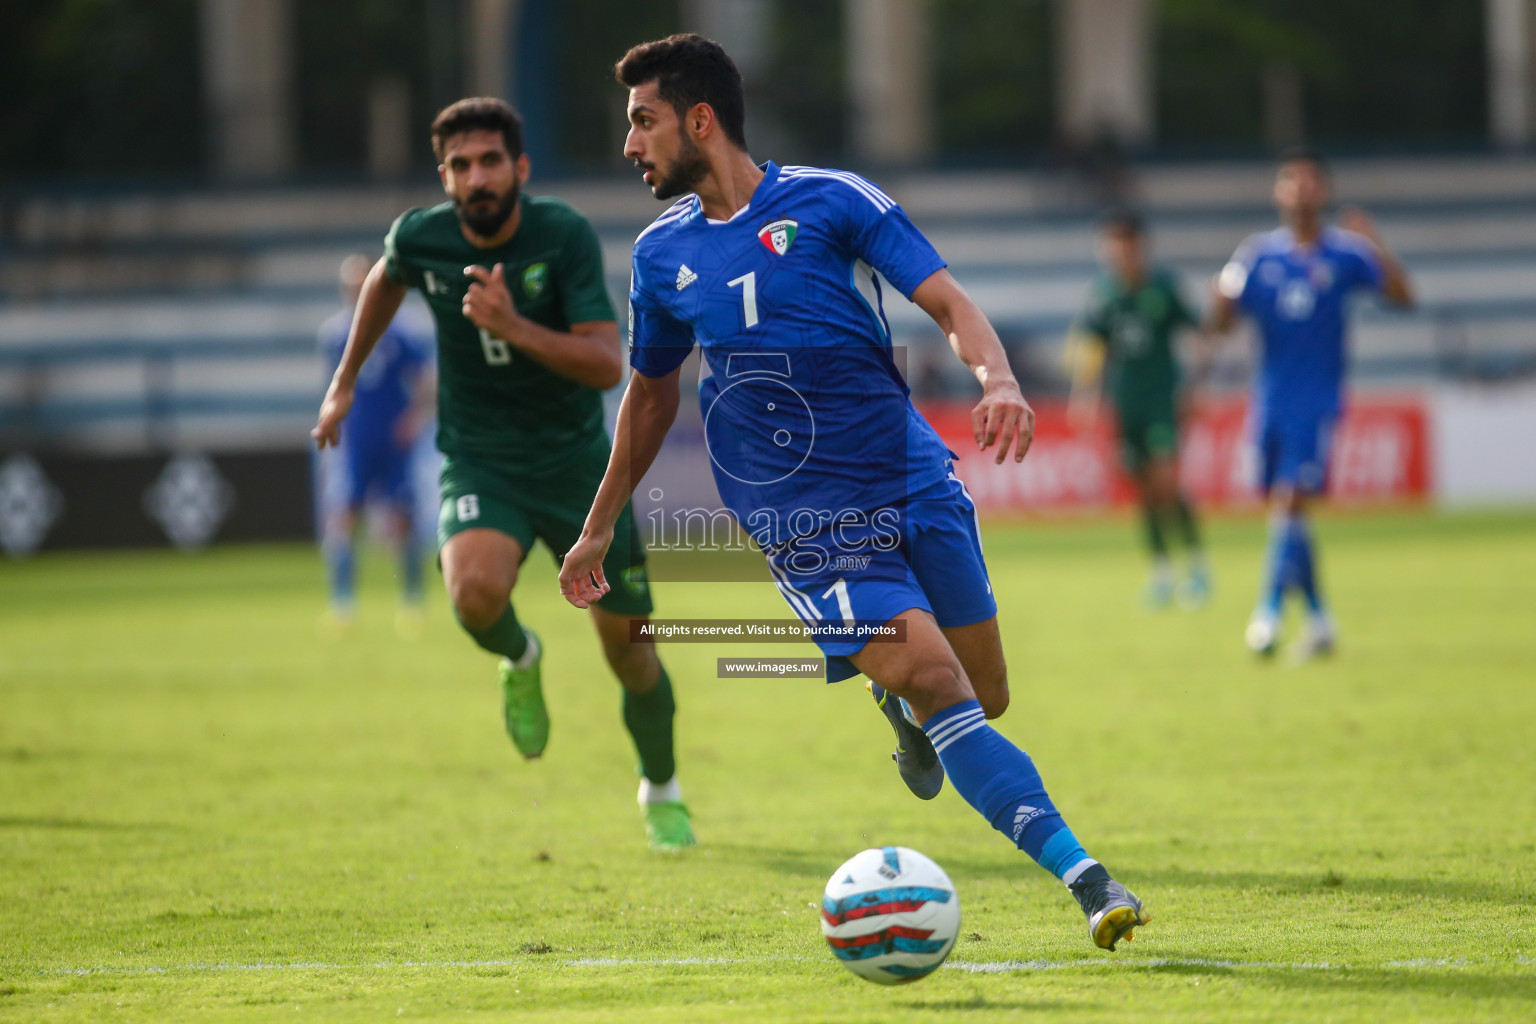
pixel 748 282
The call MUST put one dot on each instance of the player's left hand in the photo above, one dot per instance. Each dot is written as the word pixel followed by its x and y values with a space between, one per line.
pixel 581 571
pixel 488 302
pixel 1002 417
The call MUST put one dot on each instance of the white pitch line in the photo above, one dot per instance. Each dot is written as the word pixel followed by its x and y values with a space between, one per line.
pixel 970 967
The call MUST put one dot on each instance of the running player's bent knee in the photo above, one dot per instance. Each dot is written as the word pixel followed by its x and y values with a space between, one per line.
pixel 992 694
pixel 478 601
pixel 933 687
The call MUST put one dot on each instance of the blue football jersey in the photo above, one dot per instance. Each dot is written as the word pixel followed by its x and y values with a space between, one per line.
pixel 387 379
pixel 1299 299
pixel 806 414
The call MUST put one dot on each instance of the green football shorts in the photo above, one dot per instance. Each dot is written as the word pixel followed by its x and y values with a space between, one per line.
pixel 1147 433
pixel 478 495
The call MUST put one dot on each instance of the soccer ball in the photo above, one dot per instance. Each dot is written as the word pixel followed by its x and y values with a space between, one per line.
pixel 890 915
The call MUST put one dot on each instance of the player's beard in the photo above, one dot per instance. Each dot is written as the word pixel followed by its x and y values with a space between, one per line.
pixel 686 171
pixel 485 225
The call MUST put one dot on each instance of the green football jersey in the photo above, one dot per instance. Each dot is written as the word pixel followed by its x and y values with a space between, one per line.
pixel 1137 327
pixel 494 402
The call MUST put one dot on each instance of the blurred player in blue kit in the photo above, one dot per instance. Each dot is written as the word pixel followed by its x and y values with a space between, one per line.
pixel 375 461
pixel 1294 283
pixel 815 446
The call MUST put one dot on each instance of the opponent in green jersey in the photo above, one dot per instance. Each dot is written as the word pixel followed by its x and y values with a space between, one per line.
pixel 499 402
pixel 527 342
pixel 1126 338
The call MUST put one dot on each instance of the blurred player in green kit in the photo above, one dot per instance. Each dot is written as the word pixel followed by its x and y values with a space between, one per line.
pixel 1124 342
pixel 527 342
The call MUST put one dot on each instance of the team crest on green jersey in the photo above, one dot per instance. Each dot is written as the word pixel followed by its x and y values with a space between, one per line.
pixel 779 235
pixel 534 279
pixel 635 580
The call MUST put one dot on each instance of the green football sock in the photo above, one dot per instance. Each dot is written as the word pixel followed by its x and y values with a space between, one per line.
pixel 505 636
pixel 1152 518
pixel 648 717
pixel 1189 528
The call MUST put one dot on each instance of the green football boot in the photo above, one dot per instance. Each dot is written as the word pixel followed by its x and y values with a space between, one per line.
pixel 522 701
pixel 668 826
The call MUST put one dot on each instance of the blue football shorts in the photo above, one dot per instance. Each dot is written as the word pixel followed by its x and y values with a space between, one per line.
pixel 1296 455
pixel 870 568
pixel 376 467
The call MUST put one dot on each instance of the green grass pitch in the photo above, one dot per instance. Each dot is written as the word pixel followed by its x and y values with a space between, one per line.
pixel 208 811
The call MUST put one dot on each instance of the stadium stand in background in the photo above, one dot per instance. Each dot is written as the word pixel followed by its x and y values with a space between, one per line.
pixel 157 365
pixel 145 324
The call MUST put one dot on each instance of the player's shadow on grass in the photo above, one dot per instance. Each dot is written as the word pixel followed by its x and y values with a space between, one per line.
pixel 809 864
pixel 1324 882
pixel 21 755
pixel 813 864
pixel 82 825
pixel 816 863
pixel 977 1003
pixel 1448 982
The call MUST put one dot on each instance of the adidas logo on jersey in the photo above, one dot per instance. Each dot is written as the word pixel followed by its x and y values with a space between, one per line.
pixel 685 277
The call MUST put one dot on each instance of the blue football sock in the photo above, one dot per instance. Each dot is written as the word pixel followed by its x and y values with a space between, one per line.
pixel 410 568
pixel 339 564
pixel 1303 562
pixel 1277 567
pixel 1000 781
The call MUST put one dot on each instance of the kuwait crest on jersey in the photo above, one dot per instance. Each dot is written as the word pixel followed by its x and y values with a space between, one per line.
pixel 779 235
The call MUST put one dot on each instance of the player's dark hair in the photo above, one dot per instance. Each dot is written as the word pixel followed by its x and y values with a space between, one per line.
pixel 1122 220
pixel 688 70
pixel 1303 154
pixel 478 114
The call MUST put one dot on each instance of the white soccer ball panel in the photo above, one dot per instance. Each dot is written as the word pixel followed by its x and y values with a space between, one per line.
pixel 890 915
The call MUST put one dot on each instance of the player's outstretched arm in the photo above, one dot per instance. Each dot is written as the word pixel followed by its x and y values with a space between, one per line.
pixel 377 304
pixel 1221 315
pixel 589 353
pixel 1002 416
pixel 645 415
pixel 1396 288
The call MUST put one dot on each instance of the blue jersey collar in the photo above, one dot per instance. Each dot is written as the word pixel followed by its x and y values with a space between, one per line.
pixel 770 175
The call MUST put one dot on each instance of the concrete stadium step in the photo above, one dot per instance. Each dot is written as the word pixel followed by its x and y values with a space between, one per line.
pixel 249 214
pixel 204 306
pixel 1469 289
pixel 1028 254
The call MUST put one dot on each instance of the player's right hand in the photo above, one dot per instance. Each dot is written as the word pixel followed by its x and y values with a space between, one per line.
pixel 338 402
pixel 581 571
pixel 1003 417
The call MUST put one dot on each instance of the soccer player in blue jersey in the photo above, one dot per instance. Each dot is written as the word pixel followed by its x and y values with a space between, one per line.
pixel 1295 282
pixel 393 405
pixel 816 447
